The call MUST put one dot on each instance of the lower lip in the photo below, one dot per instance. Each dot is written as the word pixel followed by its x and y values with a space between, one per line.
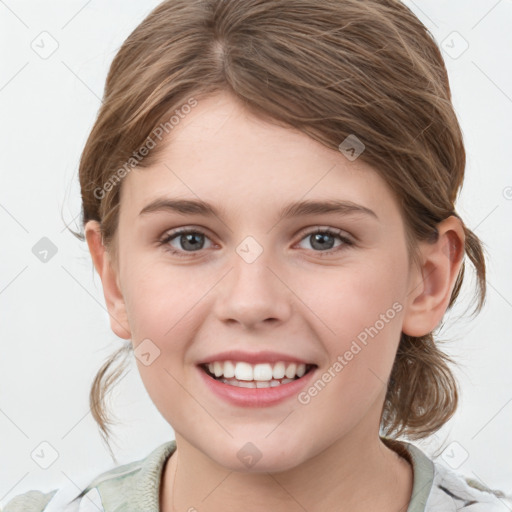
pixel 256 397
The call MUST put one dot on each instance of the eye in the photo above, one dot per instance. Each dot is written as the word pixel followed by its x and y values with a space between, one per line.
pixel 185 240
pixel 188 240
pixel 322 240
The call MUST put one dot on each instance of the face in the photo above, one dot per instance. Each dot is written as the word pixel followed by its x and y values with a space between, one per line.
pixel 326 288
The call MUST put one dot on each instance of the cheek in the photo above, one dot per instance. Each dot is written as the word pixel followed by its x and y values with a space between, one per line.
pixel 350 299
pixel 358 311
pixel 360 330
pixel 160 299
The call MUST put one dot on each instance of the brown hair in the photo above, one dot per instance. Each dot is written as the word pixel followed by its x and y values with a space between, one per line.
pixel 330 69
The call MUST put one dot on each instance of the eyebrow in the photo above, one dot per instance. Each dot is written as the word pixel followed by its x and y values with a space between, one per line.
pixel 299 208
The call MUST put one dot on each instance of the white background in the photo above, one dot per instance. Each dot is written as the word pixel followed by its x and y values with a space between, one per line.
pixel 54 328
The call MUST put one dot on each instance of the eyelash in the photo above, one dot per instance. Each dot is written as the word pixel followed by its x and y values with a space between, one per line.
pixel 187 231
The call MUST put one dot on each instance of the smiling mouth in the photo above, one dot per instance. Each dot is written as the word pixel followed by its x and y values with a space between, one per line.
pixel 264 378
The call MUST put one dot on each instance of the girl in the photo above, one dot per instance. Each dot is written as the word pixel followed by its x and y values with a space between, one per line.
pixel 268 197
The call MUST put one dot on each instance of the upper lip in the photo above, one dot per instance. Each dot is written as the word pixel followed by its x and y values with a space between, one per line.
pixel 253 357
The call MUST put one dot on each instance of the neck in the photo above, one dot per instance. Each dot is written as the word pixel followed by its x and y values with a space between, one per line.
pixel 351 475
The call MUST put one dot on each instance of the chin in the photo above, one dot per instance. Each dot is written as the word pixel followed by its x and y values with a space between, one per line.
pixel 259 456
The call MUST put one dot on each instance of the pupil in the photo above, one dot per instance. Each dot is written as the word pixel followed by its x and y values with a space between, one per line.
pixel 320 238
pixel 189 239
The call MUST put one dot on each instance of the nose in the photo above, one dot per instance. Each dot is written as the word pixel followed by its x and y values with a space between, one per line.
pixel 253 293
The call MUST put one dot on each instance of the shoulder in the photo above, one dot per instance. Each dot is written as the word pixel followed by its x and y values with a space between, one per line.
pixel 31 501
pixel 111 490
pixel 450 488
pixel 436 487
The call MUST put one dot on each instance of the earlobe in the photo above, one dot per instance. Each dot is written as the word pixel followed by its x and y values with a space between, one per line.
pixel 109 277
pixel 431 288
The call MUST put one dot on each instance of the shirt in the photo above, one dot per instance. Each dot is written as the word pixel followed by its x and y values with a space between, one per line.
pixel 135 487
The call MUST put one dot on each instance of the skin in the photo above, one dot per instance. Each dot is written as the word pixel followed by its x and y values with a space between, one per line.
pixel 294 298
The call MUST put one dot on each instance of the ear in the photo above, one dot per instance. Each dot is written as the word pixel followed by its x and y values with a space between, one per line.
pixel 431 287
pixel 109 277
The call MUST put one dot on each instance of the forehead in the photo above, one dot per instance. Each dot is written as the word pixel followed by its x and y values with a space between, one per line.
pixel 221 153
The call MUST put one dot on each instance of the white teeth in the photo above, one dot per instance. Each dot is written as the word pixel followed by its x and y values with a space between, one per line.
pixel 255 384
pixel 243 371
pixel 243 384
pixel 261 372
pixel 229 370
pixel 278 370
pixel 218 368
pixel 290 371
